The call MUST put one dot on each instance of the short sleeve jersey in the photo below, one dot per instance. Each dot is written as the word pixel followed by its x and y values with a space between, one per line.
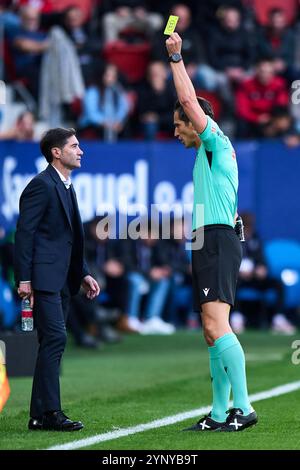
pixel 215 177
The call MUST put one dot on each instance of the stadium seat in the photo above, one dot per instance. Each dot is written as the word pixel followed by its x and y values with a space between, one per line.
pixel 214 99
pixel 8 61
pixel 283 260
pixel 76 107
pixel 132 99
pixel 10 68
pixel 104 297
pixel 164 135
pixel 248 294
pixel 131 59
pixel 50 6
pixel 262 9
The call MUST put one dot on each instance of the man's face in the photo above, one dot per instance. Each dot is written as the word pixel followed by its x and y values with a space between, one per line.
pixel 232 19
pixel 184 14
pixel 70 154
pixel 184 132
pixel 278 21
pixel 110 76
pixel 74 18
pixel 265 72
pixel 30 19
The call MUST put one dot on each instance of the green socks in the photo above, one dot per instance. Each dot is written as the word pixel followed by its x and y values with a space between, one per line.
pixel 231 354
pixel 220 386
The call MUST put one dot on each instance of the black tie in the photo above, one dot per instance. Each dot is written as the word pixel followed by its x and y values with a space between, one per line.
pixel 70 204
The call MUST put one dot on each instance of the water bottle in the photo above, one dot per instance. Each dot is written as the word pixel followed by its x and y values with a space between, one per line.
pixel 26 316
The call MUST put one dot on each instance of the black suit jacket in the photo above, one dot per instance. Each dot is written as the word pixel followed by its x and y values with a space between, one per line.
pixel 48 250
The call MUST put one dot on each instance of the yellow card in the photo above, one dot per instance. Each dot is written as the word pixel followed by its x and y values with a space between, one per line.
pixel 171 25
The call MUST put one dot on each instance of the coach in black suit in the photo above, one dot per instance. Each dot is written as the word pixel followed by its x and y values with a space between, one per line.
pixel 50 267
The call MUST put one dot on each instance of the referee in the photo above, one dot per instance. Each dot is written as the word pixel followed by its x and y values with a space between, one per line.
pixel 216 264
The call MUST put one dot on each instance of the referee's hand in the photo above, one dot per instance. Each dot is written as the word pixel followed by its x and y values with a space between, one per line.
pixel 173 44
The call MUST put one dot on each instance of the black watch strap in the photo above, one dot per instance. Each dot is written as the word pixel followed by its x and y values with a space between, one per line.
pixel 176 57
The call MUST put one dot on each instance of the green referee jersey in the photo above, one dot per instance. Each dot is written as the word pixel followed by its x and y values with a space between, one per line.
pixel 215 178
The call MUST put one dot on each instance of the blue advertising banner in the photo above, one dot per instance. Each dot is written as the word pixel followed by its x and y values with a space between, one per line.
pixel 278 190
pixel 126 176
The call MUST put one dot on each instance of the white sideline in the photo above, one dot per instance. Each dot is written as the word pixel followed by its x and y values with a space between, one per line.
pixel 107 436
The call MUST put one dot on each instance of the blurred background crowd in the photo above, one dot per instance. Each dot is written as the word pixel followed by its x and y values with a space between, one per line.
pixel 101 66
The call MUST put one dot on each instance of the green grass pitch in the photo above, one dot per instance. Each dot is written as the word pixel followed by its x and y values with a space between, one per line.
pixel 151 377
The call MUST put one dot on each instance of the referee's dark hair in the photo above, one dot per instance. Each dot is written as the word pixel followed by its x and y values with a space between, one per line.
pixel 57 137
pixel 205 105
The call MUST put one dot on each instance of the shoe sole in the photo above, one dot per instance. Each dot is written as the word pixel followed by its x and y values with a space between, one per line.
pixel 61 430
pixel 198 429
pixel 34 427
pixel 78 428
pixel 202 430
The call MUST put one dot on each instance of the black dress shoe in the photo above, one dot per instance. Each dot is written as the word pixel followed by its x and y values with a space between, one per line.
pixel 35 424
pixel 58 421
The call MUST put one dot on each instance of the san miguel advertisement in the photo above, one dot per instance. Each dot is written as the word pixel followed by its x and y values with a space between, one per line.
pixel 130 177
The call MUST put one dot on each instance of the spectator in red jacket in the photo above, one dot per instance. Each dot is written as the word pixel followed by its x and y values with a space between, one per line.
pixel 257 97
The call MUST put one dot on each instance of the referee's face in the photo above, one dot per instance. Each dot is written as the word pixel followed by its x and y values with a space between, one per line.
pixel 184 132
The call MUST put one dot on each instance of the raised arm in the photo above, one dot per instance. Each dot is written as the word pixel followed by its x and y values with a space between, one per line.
pixel 185 90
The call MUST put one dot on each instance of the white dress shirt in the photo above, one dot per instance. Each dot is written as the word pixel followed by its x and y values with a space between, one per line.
pixel 67 182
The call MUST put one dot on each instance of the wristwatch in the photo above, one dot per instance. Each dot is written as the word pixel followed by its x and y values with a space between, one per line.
pixel 176 57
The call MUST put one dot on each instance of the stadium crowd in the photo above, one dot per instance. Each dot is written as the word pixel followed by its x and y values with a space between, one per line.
pixel 99 65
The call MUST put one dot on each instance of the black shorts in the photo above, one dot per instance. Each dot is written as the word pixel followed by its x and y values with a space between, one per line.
pixel 216 266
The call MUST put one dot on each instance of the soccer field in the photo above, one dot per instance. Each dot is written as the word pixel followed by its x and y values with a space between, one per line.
pixel 144 379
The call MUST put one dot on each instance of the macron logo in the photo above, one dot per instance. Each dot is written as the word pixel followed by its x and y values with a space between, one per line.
pixel 206 291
